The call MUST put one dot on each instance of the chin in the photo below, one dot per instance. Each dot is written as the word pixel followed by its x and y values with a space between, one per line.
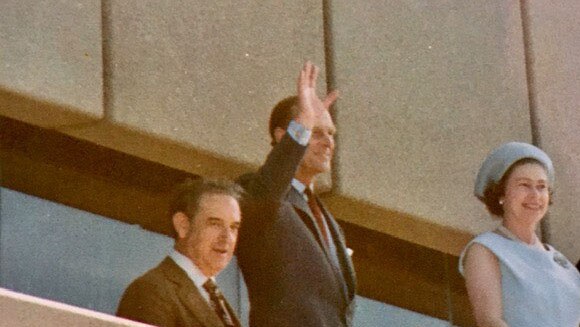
pixel 324 168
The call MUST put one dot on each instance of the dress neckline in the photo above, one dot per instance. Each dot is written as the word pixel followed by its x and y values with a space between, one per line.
pixel 505 232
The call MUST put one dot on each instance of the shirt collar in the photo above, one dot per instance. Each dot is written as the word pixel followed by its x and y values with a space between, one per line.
pixel 300 187
pixel 192 271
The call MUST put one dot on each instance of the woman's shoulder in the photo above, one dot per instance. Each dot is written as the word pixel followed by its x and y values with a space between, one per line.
pixel 488 240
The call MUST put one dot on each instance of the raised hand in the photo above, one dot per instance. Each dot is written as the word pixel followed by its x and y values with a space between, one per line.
pixel 310 105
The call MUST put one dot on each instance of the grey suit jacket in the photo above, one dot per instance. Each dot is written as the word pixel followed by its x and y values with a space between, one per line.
pixel 291 279
pixel 165 296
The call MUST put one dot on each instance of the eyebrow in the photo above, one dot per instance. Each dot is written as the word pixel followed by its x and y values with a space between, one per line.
pixel 318 129
pixel 530 179
pixel 217 219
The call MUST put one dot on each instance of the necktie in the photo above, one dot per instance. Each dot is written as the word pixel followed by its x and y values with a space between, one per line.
pixel 218 302
pixel 318 215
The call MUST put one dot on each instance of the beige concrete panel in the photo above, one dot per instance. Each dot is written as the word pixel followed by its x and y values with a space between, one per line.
pixel 429 88
pixel 25 310
pixel 555 47
pixel 50 51
pixel 207 73
pixel 38 112
pixel 163 150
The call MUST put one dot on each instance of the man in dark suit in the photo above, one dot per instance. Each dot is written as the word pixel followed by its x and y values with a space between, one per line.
pixel 181 290
pixel 291 251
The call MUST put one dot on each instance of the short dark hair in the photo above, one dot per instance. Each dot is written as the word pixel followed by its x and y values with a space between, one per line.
pixel 187 195
pixel 281 115
pixel 494 191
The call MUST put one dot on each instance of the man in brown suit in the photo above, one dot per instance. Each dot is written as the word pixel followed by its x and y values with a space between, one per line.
pixel 181 290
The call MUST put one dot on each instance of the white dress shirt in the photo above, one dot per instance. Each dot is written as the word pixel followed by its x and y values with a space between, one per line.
pixel 192 271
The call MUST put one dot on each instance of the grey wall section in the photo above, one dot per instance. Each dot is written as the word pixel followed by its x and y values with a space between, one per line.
pixel 376 314
pixel 554 48
pixel 429 87
pixel 67 255
pixel 208 73
pixel 52 50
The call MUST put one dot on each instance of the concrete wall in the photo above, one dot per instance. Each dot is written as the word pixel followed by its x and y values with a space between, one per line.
pixel 555 83
pixel 207 73
pixel 428 88
pixel 51 50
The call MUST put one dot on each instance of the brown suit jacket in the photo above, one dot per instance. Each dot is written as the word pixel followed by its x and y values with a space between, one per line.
pixel 165 296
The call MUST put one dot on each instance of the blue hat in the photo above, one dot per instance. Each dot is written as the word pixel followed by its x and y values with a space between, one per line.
pixel 502 158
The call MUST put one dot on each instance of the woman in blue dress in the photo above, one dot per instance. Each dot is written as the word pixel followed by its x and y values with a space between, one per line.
pixel 512 278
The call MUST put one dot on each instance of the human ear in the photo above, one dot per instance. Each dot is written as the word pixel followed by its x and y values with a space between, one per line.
pixel 181 224
pixel 279 133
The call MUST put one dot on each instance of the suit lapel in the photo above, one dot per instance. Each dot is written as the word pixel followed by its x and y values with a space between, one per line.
pixel 341 252
pixel 346 271
pixel 189 295
pixel 300 204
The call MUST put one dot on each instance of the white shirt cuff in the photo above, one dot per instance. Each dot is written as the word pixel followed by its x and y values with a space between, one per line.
pixel 299 133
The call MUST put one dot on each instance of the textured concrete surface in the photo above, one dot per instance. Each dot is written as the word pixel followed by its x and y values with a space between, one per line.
pixel 208 73
pixel 428 89
pixel 51 51
pixel 555 48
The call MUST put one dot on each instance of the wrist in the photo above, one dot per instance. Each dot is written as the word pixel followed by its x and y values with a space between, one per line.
pixel 299 132
pixel 305 120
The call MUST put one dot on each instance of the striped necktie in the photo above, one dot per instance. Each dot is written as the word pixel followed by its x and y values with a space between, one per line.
pixel 318 215
pixel 218 303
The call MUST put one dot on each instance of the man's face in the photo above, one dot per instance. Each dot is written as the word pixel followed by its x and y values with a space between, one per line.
pixel 211 238
pixel 318 156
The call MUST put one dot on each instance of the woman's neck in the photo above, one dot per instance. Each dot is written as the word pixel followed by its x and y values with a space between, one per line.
pixel 524 233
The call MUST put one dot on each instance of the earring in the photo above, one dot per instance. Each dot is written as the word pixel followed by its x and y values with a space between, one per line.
pixel 501 202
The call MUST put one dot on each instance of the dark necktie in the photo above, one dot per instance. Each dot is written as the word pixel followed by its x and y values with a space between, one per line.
pixel 218 303
pixel 318 215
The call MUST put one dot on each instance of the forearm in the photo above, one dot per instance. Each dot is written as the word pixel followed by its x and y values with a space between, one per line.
pixel 275 176
pixel 483 283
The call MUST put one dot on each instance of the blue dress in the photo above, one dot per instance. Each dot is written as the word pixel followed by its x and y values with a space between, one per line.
pixel 539 288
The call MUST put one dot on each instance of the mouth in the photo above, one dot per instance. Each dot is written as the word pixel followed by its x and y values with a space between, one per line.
pixel 533 206
pixel 220 251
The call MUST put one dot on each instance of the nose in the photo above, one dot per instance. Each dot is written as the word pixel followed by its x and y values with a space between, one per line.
pixel 228 234
pixel 535 192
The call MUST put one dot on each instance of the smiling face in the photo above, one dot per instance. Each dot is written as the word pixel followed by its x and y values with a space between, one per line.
pixel 527 194
pixel 318 156
pixel 209 238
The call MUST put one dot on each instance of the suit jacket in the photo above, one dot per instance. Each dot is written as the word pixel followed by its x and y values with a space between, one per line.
pixel 292 280
pixel 165 296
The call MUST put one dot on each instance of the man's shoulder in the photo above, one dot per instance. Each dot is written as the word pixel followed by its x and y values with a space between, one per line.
pixel 150 298
pixel 245 179
pixel 153 278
